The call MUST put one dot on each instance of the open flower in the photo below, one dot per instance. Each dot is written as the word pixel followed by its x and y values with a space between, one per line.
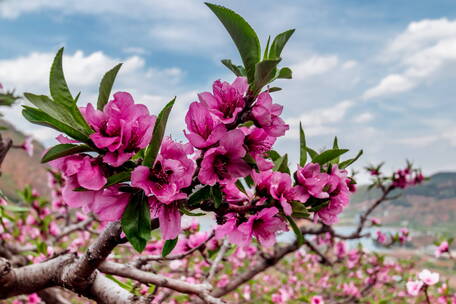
pixel 429 278
pixel 110 203
pixel 227 100
pixel 317 300
pixel 258 142
pixel 80 171
pixel 168 216
pixel 282 190
pixel 266 115
pixel 172 171
pixel 28 145
pixel 123 128
pixel 414 287
pixel 204 130
pixel 311 181
pixel 381 237
pixel 263 226
pixel 442 248
pixel 278 185
pixel 224 163
pixel 230 230
pixel 339 196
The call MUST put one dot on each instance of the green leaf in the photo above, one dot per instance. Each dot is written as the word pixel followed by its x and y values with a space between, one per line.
pixel 57 83
pixel 302 145
pixel 279 43
pixel 159 131
pixel 39 117
pixel 67 113
pixel 77 97
pixel 125 286
pixel 240 186
pixel 118 178
pixel 296 230
pixel 272 154
pixel 236 69
pixel 281 164
pixel 299 210
pixel 189 213
pixel 64 150
pixel 285 73
pixel 136 221
pixel 312 153
pixel 328 156
pixel 251 161
pixel 106 86
pixel 266 50
pixel 216 194
pixel 335 147
pixel 249 181
pixel 243 35
pixel 42 248
pixel 335 143
pixel 274 89
pixel 169 246
pixel 14 208
pixel 348 162
pixel 265 72
pixel 199 196
pixel 58 111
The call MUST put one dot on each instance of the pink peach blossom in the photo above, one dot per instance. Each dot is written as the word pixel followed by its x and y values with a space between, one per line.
pixel 172 171
pixel 263 226
pixel 224 163
pixel 414 287
pixel 226 100
pixel 428 277
pixel 204 130
pixel 123 128
pixel 266 115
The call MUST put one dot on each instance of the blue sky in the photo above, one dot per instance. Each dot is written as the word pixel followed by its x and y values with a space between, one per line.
pixel 378 74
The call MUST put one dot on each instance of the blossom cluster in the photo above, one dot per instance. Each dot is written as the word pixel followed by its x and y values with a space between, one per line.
pixel 230 134
pixel 120 130
pixel 425 278
pixel 402 178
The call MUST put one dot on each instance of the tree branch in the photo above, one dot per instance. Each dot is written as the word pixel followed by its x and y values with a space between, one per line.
pixel 126 271
pixel 81 273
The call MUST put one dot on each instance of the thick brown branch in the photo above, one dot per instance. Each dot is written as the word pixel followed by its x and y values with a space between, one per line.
pixel 31 278
pixel 81 273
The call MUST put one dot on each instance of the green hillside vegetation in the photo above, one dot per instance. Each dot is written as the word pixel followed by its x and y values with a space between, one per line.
pixel 19 169
pixel 427 207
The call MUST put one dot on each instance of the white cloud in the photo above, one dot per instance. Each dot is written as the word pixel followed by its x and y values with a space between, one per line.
pixel 170 24
pixel 422 50
pixel 418 141
pixel 421 34
pixel 389 85
pixel 363 117
pixel 314 66
pixel 319 121
pixel 151 86
pixel 349 64
pixel 31 72
pixel 188 10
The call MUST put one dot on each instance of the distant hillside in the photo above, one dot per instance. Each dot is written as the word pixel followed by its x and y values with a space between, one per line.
pixel 431 205
pixel 19 169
